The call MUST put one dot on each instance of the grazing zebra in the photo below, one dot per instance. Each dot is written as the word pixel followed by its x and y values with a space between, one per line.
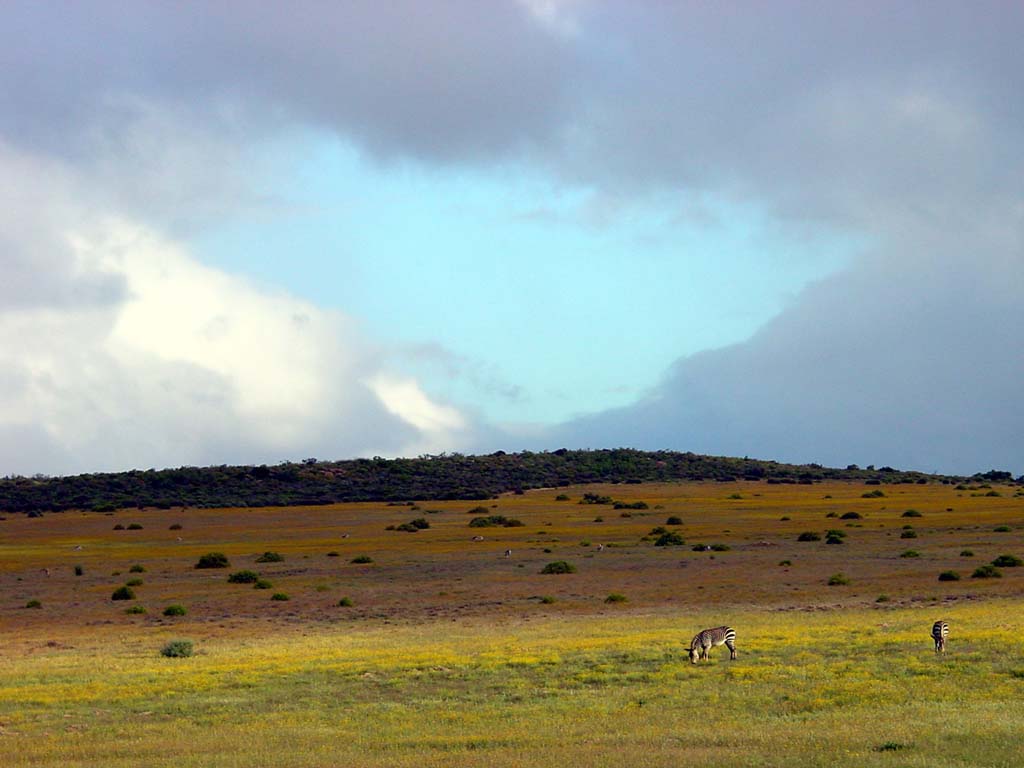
pixel 707 639
pixel 940 630
pixel 508 553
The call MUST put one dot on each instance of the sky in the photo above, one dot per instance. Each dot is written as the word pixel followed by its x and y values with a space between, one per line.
pixel 249 233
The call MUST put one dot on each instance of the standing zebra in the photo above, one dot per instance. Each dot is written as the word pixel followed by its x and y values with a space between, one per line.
pixel 940 630
pixel 707 639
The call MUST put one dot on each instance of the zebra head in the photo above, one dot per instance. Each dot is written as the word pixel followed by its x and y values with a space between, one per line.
pixel 694 655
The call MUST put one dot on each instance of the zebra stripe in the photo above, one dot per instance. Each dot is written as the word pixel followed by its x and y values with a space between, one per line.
pixel 707 639
pixel 940 630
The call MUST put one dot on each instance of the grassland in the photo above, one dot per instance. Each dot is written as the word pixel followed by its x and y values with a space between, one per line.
pixel 448 655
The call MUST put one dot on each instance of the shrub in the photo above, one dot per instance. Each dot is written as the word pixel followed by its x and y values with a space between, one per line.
pixel 135 609
pixel 1002 529
pixel 123 593
pixel 911 513
pixel 882 599
pixel 594 498
pixel 875 494
pixel 720 547
pixel 177 649
pixel 134 583
pixel 669 539
pixel 118 527
pixel 479 511
pixel 494 520
pixel 837 579
pixel 909 534
pixel 1007 561
pixel 175 610
pixel 559 566
pixel 270 557
pixel 987 572
pixel 949 576
pixel 243 577
pixel 615 597
pixel 547 599
pixel 561 497
pixel 832 539
pixel 280 597
pixel 674 521
pixel 175 527
pixel 137 569
pixel 134 527
pixel 808 536
pixel 911 553
pixel 657 531
pixel 785 562
pixel 361 560
pixel 213 560
pixel 33 604
pixel 79 570
pixel 598 519
pixel 832 514
pixel 262 584
pixel 966 553
pixel 345 602
pixel 784 518
pixel 851 516
pixel 333 554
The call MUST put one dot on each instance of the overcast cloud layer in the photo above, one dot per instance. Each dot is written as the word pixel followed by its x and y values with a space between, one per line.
pixel 127 128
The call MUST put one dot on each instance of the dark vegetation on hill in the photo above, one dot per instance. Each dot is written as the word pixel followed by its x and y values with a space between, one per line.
pixel 447 476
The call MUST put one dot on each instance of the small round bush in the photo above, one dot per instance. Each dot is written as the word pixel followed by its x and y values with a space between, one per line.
pixel 135 609
pixel 362 559
pixel 911 553
pixel 177 649
pixel 243 577
pixel 987 572
pixel 966 553
pixel 118 527
pixel 345 602
pixel 134 527
pixel 561 497
pixel 33 604
pixel 137 569
pixel 134 583
pixel 175 527
pixel 720 547
pixel 908 535
pixel 911 513
pixel 123 593
pixel 785 562
pixel 1007 561
pixel 882 599
pixel 784 518
pixel 279 596
pixel 1002 529
pixel 949 576
pixel 615 597
pixel 851 516
pixel 808 536
pixel 334 554
pixel 547 599
pixel 674 520
pixel 559 566
pixel 262 584
pixel 669 539
pixel 831 539
pixel 175 610
pixel 837 579
pixel 213 560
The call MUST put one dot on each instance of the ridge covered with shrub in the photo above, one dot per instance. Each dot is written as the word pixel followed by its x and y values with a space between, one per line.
pixel 444 476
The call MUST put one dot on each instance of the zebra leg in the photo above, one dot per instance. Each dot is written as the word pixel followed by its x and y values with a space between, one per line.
pixel 732 649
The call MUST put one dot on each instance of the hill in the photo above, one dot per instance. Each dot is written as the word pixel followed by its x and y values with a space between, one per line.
pixel 446 476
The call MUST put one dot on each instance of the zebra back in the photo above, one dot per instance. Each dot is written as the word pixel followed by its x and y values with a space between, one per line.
pixel 940 630
pixel 715 636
